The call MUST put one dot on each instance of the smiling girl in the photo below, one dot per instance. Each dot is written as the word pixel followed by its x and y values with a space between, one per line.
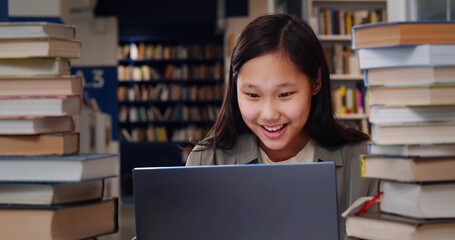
pixel 278 108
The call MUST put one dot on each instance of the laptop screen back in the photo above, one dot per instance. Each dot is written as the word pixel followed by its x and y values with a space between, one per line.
pixel 261 201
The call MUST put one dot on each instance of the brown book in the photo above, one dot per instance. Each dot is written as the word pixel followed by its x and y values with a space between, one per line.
pixel 46 144
pixel 69 221
pixel 402 33
pixel 50 85
pixel 409 75
pixel 408 169
pixel 50 193
pixel 375 225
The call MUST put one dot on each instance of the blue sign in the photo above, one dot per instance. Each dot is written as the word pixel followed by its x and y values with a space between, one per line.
pixel 100 83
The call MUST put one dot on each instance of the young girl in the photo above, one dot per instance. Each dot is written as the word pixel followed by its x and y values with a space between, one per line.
pixel 278 108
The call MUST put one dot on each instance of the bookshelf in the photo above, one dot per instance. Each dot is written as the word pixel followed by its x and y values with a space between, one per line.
pixel 332 21
pixel 169 92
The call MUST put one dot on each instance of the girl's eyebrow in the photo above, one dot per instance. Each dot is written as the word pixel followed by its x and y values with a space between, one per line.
pixel 286 84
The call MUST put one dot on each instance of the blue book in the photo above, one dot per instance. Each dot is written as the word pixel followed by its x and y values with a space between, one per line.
pixel 71 168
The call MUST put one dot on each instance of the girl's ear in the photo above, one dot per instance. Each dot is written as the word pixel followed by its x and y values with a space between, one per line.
pixel 318 83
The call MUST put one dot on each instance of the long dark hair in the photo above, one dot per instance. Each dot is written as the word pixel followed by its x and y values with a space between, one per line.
pixel 294 37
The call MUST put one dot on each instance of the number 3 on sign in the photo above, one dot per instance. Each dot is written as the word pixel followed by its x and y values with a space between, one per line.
pixel 96 80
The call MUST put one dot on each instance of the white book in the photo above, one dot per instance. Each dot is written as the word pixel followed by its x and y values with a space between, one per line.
pixel 429 200
pixel 71 168
pixel 51 105
pixel 36 125
pixel 421 150
pixel 407 56
pixel 411 114
pixel 36 29
pixel 34 66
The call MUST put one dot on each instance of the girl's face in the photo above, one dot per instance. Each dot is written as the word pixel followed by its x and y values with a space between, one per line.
pixel 274 98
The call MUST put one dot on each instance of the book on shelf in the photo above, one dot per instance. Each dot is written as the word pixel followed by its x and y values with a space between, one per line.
pixel 422 150
pixel 41 85
pixel 418 200
pixel 37 29
pixel 67 221
pixel 407 56
pixel 40 105
pixel 43 144
pixel 413 133
pixel 402 33
pixel 347 100
pixel 332 21
pixel 376 225
pixel 35 193
pixel 411 114
pixel 34 67
pixel 408 169
pixel 70 168
pixel 39 47
pixel 409 75
pixel 36 125
pixel 434 94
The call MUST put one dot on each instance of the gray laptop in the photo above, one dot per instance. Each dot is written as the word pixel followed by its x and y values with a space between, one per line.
pixel 260 201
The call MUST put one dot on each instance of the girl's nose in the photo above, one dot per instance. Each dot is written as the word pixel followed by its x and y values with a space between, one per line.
pixel 270 113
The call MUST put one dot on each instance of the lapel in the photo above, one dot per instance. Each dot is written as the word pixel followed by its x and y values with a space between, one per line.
pixel 247 152
pixel 323 154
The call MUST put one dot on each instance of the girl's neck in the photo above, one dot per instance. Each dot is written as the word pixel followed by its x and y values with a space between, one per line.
pixel 285 154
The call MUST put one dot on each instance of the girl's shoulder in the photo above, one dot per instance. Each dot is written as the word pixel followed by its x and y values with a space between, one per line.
pixel 244 150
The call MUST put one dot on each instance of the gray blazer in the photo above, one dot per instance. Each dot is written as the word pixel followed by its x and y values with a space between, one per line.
pixel 351 185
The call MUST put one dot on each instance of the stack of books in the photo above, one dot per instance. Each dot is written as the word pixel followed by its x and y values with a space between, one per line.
pixel 410 75
pixel 47 189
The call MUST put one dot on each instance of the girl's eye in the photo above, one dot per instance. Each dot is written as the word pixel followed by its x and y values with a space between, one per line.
pixel 285 94
pixel 253 95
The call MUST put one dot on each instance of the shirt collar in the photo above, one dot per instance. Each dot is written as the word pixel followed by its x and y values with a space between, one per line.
pixel 247 153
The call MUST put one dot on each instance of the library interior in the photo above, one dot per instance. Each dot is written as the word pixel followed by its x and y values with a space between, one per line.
pixel 92 89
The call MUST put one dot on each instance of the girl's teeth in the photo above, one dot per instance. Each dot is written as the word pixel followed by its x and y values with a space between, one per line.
pixel 274 129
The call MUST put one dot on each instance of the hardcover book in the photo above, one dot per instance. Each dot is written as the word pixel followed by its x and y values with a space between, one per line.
pixel 408 169
pixel 402 33
pixel 39 47
pixel 435 94
pixel 42 85
pixel 411 114
pixel 407 56
pixel 418 200
pixel 43 105
pixel 43 144
pixel 413 133
pixel 421 150
pixel 36 125
pixel 50 193
pixel 375 225
pixel 71 168
pixel 36 29
pixel 69 221
pixel 409 75
pixel 34 67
